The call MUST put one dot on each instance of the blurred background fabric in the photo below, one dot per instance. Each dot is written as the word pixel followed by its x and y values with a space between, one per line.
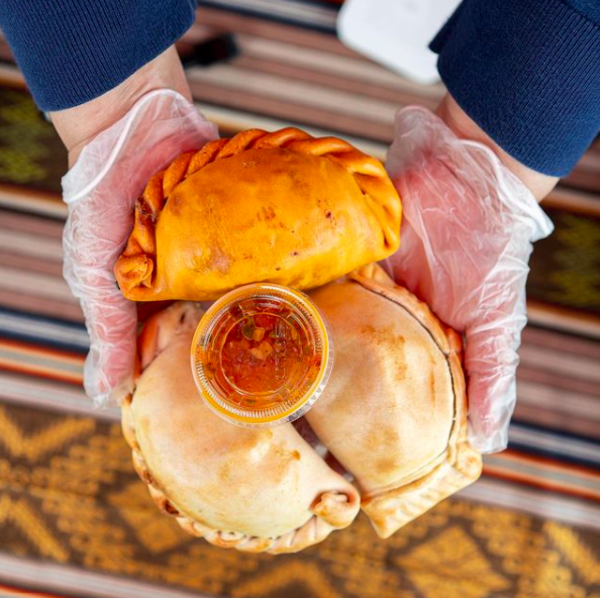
pixel 74 518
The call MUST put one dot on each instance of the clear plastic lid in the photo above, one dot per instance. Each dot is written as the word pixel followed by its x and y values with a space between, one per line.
pixel 262 355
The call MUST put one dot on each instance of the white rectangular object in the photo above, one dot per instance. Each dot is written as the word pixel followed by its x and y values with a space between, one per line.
pixel 396 33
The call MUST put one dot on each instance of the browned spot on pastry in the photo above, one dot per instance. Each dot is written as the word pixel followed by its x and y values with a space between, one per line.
pixel 391 343
pixel 432 377
pixel 389 436
pixel 225 472
pixel 384 337
pixel 169 509
pixel 386 465
pixel 296 455
pixel 175 201
pixel 268 213
pixel 399 358
pixel 146 476
pixel 219 260
pixel 377 437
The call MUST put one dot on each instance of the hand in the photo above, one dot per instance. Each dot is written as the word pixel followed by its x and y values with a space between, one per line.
pixel 116 143
pixel 466 238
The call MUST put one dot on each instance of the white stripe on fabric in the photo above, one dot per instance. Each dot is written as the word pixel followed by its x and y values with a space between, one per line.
pixel 541 439
pixel 343 66
pixel 41 360
pixel 558 400
pixel 50 287
pixel 31 245
pixel 541 504
pixel 45 330
pixel 544 472
pixel 51 395
pixel 309 94
pixel 571 366
pixel 299 12
pixel 49 577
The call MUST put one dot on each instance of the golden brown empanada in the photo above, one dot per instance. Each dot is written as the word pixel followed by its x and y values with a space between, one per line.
pixel 282 207
pixel 394 411
pixel 252 489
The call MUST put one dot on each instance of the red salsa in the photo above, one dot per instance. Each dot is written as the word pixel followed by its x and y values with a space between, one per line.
pixel 261 354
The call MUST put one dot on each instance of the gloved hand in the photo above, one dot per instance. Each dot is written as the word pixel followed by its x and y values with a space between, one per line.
pixel 100 191
pixel 466 238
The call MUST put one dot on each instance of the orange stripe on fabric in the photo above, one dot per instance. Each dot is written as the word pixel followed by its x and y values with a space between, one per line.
pixel 31 349
pixel 40 372
pixel 12 591
pixel 543 484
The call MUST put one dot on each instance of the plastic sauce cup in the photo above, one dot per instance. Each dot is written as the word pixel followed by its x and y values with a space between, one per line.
pixel 262 355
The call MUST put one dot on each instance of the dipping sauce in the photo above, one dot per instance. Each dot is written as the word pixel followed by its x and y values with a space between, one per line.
pixel 261 355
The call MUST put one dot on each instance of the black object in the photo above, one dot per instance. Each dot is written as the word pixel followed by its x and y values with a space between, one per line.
pixel 215 49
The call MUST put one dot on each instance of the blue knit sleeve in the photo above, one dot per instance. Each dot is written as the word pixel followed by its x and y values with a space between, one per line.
pixel 72 51
pixel 528 73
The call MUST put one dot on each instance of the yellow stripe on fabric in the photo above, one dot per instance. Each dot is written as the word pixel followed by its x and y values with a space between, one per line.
pixel 22 515
pixel 32 445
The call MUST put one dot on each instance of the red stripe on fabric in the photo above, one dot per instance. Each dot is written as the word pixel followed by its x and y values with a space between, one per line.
pixel 545 485
pixel 552 461
pixel 33 348
pixel 72 379
pixel 24 592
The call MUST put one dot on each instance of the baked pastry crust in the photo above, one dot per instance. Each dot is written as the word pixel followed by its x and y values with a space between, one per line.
pixel 254 490
pixel 282 207
pixel 395 410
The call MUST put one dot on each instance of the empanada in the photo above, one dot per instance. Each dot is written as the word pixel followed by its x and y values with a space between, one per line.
pixel 282 207
pixel 253 489
pixel 394 411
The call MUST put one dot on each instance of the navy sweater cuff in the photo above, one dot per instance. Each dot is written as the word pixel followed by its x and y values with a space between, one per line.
pixel 72 51
pixel 528 73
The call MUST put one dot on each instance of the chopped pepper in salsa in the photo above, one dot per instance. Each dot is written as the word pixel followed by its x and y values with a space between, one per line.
pixel 262 354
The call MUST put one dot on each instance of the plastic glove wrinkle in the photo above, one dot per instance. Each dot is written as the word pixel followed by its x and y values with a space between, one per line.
pixel 100 191
pixel 468 230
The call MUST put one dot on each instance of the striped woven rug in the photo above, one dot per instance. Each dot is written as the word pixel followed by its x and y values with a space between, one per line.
pixel 74 519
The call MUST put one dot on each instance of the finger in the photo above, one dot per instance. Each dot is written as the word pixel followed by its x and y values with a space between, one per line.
pixel 488 419
pixel 491 362
pixel 92 240
pixel 100 190
pixel 109 367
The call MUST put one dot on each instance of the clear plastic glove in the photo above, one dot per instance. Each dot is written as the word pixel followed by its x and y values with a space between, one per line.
pixel 100 191
pixel 467 235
